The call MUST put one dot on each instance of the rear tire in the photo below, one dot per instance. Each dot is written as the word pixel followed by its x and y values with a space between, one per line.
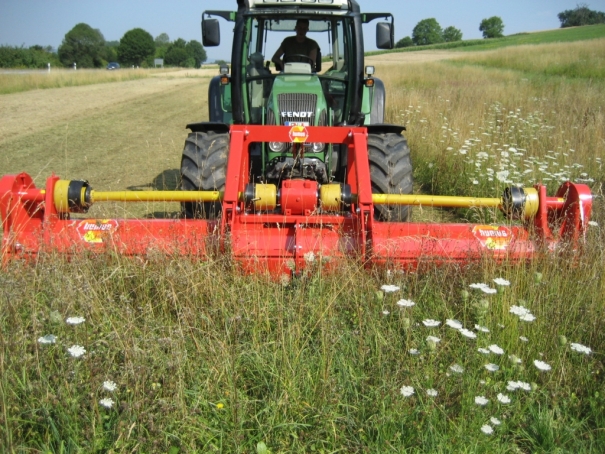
pixel 204 168
pixel 391 173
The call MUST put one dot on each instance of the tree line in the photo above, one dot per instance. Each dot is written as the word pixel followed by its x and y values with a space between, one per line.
pixel 428 31
pixel 86 47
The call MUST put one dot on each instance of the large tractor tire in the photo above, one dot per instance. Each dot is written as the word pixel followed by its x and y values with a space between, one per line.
pixel 391 173
pixel 204 168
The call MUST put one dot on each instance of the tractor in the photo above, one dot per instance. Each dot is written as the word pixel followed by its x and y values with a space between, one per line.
pixel 335 91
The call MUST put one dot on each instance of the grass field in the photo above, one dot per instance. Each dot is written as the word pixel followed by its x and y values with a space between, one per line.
pixel 180 356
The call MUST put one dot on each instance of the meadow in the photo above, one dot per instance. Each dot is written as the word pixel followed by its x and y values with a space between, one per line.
pixel 167 354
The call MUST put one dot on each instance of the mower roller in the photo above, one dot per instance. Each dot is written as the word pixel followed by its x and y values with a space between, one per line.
pixel 295 166
pixel 285 229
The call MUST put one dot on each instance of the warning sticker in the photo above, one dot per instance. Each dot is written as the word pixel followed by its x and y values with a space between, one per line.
pixel 493 237
pixel 96 230
pixel 299 134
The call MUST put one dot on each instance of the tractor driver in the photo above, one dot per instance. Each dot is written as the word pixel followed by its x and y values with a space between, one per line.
pixel 296 45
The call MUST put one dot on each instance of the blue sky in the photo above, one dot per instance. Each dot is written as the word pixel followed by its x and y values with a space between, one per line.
pixel 45 22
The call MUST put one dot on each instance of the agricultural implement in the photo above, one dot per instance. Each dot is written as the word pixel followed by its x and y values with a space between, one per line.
pixel 295 167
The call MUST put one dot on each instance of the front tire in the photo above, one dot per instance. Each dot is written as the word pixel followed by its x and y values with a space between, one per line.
pixel 204 168
pixel 391 173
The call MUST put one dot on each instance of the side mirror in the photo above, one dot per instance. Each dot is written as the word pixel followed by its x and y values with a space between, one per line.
pixel 385 35
pixel 211 32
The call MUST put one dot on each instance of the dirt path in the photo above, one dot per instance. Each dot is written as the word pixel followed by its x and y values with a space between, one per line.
pixel 23 113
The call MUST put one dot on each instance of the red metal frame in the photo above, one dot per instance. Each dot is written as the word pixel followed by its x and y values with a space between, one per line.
pixel 284 242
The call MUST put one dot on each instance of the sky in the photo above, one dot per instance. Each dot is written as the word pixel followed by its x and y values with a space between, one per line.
pixel 45 22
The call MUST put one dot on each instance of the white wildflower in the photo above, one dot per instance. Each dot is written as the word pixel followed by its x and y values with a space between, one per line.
pixel 309 257
pixel 484 351
pixel 481 400
pixel 48 339
pixel 593 223
pixel 389 288
pixel 519 310
pixel 109 385
pixel 429 322
pixel 75 320
pixel 76 351
pixel 523 339
pixel 407 391
pixel 433 339
pixel 478 285
pixel 414 351
pixel 487 429
pixel 457 368
pixel 453 323
pixel 405 303
pixel 527 318
pixel 483 329
pixel 495 349
pixel 503 398
pixel 432 392
pixel 107 402
pixel 467 333
pixel 492 367
pixel 500 281
pixel 489 290
pixel 385 312
pixel 495 421
pixel 580 348
pixel 541 365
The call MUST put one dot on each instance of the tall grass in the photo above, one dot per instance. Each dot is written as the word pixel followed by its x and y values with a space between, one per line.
pixel 18 81
pixel 205 359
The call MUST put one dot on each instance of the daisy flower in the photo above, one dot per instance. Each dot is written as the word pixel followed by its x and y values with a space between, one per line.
pixel 495 349
pixel 467 333
pixel 453 323
pixel 483 329
pixel 76 351
pixel 107 402
pixel 580 348
pixel 407 391
pixel 457 368
pixel 109 385
pixel 48 339
pixel 541 365
pixel 503 398
pixel 502 282
pixel 481 400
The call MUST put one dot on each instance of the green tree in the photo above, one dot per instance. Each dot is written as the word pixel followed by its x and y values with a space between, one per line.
pixel 162 40
pixel 427 31
pixel 135 46
pixel 176 56
pixel 581 15
pixel 84 46
pixel 492 27
pixel 196 51
pixel 451 34
pixel 404 42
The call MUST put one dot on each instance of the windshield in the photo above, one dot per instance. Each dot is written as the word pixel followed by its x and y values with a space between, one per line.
pixel 317 46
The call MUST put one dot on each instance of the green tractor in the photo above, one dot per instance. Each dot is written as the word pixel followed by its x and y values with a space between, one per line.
pixel 335 90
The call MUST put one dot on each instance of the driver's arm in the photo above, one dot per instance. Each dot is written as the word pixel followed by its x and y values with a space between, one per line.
pixel 313 56
pixel 279 64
